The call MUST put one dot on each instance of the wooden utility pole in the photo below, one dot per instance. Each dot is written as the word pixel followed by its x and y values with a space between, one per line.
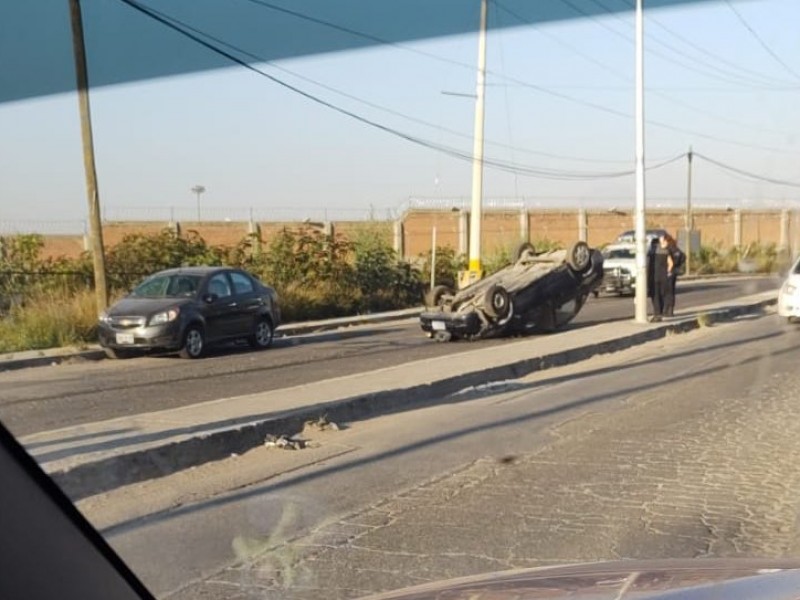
pixel 95 222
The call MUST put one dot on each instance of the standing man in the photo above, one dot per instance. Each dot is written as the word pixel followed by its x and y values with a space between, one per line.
pixel 677 260
pixel 662 286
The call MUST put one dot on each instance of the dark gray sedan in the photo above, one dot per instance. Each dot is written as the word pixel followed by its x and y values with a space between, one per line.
pixel 188 309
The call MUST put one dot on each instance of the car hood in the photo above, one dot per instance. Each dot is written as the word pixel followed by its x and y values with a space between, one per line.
pixel 696 579
pixel 132 306
pixel 613 263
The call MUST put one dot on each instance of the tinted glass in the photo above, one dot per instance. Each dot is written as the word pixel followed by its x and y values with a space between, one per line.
pixel 219 285
pixel 241 283
pixel 168 286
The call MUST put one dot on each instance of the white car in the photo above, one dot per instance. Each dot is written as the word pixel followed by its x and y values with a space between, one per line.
pixel 619 269
pixel 789 296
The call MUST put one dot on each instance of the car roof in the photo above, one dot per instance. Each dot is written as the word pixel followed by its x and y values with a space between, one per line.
pixel 202 270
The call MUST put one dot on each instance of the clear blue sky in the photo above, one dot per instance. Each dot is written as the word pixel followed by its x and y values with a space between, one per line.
pixel 254 144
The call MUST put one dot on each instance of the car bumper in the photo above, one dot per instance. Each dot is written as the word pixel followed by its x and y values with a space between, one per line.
pixel 789 305
pixel 617 283
pixel 458 324
pixel 167 336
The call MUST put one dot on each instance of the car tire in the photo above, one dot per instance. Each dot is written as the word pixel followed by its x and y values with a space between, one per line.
pixel 118 353
pixel 579 257
pixel 194 342
pixel 443 336
pixel 524 251
pixel 435 295
pixel 263 335
pixel 496 302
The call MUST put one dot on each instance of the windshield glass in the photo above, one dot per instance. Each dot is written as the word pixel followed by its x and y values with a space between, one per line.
pixel 168 286
pixel 313 299
pixel 620 253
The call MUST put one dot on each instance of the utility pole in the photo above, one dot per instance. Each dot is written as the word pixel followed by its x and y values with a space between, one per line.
pixel 475 271
pixel 93 196
pixel 641 229
pixel 689 219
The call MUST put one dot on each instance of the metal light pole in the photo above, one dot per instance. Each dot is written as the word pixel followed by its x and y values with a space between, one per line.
pixel 92 194
pixel 641 228
pixel 198 189
pixel 689 219
pixel 477 154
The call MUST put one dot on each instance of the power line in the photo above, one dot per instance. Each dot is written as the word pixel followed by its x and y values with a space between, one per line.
pixel 760 40
pixel 668 97
pixel 747 174
pixel 556 174
pixel 538 88
pixel 373 104
pixel 692 65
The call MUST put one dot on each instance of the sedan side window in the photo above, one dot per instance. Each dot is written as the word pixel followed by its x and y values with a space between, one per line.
pixel 219 286
pixel 241 283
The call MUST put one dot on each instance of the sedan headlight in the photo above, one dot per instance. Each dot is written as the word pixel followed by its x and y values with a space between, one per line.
pixel 790 289
pixel 164 317
pixel 103 317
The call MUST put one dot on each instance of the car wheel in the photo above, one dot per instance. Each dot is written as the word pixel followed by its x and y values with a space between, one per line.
pixel 524 251
pixel 262 335
pixel 443 336
pixel 435 295
pixel 579 256
pixel 194 342
pixel 118 353
pixel 496 302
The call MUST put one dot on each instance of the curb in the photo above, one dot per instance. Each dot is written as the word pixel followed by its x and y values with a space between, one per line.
pixel 55 356
pixel 113 472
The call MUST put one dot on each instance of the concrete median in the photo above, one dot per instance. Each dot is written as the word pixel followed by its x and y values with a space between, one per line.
pixel 96 457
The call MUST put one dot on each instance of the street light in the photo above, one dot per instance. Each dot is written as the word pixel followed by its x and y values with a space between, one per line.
pixel 198 189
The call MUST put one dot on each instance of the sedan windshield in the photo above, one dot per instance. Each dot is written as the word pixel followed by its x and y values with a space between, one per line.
pixel 620 253
pixel 168 286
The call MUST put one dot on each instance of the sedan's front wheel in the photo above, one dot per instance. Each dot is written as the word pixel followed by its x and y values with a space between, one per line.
pixel 262 336
pixel 194 343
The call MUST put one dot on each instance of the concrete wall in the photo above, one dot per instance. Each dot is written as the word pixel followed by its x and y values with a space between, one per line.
pixel 502 229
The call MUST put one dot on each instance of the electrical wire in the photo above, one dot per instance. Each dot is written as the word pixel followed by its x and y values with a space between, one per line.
pixel 524 84
pixel 621 76
pixel 747 174
pixel 556 174
pixel 760 40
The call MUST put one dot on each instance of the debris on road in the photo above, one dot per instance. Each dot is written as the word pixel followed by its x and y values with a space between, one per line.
pixel 321 424
pixel 285 443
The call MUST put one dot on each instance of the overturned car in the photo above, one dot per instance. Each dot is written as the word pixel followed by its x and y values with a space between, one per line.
pixel 539 292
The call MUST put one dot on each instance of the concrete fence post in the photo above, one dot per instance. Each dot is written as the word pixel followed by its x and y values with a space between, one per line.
pixel 737 228
pixel 524 229
pixel 463 232
pixel 583 225
pixel 783 244
pixel 398 242
pixel 254 233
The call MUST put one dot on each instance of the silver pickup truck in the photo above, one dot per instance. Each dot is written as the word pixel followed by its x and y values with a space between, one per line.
pixel 619 269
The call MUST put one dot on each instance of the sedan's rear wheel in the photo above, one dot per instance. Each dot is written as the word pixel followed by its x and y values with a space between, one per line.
pixel 262 335
pixel 194 343
pixel 579 256
pixel 436 295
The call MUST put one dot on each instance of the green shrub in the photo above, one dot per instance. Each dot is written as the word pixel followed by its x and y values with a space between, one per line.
pixel 50 320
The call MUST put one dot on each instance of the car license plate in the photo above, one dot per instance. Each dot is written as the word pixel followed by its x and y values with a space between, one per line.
pixel 438 325
pixel 124 338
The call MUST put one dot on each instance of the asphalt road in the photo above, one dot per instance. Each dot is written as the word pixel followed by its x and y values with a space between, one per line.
pixel 45 398
pixel 682 448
